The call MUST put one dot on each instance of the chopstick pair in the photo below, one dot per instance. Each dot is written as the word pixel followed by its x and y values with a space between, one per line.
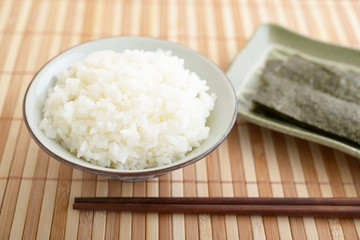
pixel 315 207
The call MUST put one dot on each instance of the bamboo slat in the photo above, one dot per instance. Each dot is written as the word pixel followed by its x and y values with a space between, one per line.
pixel 37 192
pixel 125 217
pixel 72 218
pixel 112 218
pixel 24 192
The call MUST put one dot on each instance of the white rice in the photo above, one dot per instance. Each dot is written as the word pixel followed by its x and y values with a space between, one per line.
pixel 131 110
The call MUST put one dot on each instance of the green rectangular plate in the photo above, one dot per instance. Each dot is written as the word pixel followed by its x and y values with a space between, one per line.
pixel 273 41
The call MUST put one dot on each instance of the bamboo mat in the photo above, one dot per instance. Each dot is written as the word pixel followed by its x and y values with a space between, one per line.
pixel 37 192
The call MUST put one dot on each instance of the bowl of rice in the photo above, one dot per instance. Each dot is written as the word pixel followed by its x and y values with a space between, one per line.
pixel 129 108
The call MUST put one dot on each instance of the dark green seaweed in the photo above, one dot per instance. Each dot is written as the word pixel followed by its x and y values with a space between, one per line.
pixel 310 106
pixel 338 83
pixel 271 113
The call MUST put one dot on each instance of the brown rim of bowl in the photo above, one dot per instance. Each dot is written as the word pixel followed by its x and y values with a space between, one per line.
pixel 134 173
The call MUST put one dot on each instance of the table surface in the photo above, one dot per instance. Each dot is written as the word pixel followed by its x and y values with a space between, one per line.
pixel 37 192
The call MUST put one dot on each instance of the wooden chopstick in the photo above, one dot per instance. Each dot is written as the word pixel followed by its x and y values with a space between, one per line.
pixel 268 210
pixel 223 200
pixel 316 207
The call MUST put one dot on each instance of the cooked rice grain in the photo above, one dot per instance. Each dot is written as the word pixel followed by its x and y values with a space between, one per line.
pixel 131 110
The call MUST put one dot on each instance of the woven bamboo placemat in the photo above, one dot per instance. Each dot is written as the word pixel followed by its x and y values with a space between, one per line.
pixel 37 192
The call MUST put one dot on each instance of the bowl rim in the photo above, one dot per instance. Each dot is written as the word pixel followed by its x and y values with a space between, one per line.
pixel 136 172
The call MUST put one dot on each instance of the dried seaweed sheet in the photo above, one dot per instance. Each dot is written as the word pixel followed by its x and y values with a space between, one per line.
pixel 338 83
pixel 310 106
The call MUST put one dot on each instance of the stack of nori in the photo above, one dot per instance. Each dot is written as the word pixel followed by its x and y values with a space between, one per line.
pixel 318 96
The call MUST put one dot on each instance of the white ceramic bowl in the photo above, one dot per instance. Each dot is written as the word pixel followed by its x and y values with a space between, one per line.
pixel 220 121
